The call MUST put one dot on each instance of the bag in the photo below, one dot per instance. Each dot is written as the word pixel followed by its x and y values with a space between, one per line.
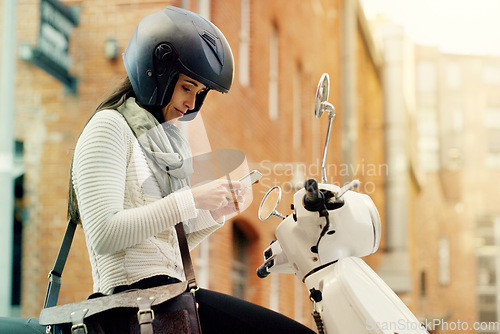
pixel 164 309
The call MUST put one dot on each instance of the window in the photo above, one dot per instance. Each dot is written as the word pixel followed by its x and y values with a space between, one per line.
pixel 453 76
pixel 273 74
pixel 240 261
pixel 426 77
pixel 19 217
pixel 244 62
pixel 492 118
pixel 428 139
pixel 491 74
pixel 423 284
pixel 444 261
pixel 494 141
pixel 487 259
pixel 457 119
pixel 492 124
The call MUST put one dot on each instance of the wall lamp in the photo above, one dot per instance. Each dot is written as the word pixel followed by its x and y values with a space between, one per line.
pixel 111 48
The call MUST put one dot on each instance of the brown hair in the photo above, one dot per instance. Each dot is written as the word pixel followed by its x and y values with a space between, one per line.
pixel 116 98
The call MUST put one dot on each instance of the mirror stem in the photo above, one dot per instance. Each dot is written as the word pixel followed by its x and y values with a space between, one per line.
pixel 331 115
pixel 277 214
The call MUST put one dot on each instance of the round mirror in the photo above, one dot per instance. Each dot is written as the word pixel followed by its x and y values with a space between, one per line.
pixel 321 94
pixel 270 203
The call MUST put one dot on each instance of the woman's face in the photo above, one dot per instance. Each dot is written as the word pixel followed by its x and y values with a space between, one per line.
pixel 183 98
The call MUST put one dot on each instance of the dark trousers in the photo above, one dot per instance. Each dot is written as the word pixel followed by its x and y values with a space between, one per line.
pixel 221 313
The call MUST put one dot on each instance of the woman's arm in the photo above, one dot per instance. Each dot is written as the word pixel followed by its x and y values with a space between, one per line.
pixel 202 227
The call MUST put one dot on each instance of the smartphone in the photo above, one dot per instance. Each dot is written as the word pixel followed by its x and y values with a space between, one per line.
pixel 251 178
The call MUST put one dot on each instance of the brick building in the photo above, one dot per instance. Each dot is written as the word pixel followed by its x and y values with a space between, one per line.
pixel 281 48
pixel 458 156
pixel 446 128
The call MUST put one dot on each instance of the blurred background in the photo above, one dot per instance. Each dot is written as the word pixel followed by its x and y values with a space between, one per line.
pixel 415 85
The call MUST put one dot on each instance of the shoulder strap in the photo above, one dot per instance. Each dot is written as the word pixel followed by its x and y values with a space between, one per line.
pixel 55 274
pixel 186 257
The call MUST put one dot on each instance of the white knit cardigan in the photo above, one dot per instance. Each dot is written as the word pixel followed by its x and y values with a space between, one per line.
pixel 128 226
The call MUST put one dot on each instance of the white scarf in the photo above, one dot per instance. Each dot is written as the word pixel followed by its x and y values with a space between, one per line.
pixel 167 151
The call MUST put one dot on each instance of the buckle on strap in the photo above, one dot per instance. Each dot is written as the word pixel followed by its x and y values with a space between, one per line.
pixel 145 315
pixel 77 318
pixel 141 314
pixel 193 290
pixel 79 329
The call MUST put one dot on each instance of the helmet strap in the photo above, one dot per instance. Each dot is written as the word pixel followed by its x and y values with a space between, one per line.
pixel 169 91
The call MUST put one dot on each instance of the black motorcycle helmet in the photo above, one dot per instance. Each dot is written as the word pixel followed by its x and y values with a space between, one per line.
pixel 174 41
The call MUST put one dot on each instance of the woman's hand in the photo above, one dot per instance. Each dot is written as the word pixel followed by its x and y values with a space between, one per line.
pixel 230 210
pixel 220 196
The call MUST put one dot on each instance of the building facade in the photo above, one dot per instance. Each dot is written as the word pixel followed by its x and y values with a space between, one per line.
pixel 457 125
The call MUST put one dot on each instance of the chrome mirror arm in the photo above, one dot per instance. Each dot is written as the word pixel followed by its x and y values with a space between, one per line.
pixel 327 106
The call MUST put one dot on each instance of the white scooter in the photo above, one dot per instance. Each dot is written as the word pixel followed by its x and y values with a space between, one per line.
pixel 322 241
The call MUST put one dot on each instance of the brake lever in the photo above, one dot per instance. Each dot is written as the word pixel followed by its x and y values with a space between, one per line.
pixel 346 188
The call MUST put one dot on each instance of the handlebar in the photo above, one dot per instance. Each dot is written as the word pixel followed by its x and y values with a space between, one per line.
pixel 262 271
pixel 312 192
pixel 313 199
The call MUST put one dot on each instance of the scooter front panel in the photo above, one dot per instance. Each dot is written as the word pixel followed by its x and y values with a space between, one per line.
pixel 356 300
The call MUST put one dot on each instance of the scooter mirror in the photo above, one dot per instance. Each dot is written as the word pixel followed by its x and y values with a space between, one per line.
pixel 320 105
pixel 269 204
pixel 321 95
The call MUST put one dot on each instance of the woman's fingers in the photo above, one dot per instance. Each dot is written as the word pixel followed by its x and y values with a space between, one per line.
pixel 232 207
pixel 218 194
